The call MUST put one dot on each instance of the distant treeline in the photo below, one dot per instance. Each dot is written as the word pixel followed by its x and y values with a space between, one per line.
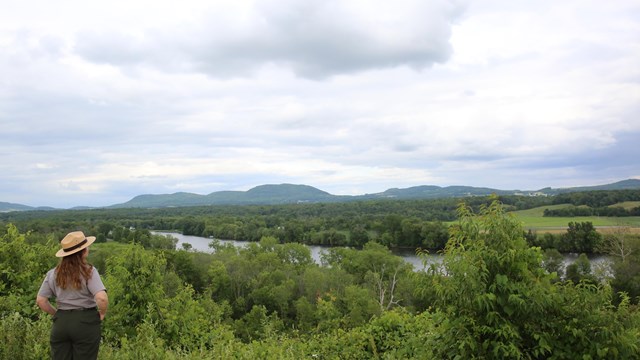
pixel 597 199
pixel 392 223
pixel 595 203
pixel 616 211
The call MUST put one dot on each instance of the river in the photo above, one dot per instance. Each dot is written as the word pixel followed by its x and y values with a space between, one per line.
pixel 199 243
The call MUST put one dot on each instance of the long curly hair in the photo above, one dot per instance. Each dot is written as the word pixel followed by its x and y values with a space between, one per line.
pixel 72 270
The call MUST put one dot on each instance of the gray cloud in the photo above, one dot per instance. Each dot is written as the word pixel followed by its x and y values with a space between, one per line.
pixel 314 39
pixel 208 96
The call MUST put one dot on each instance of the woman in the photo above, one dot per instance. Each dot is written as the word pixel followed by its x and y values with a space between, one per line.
pixel 81 299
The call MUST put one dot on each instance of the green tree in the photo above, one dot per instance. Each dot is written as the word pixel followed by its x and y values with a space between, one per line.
pixel 358 306
pixel 306 317
pixel 498 302
pixel 189 325
pixel 392 227
pixel 256 324
pixel 134 280
pixel 22 270
pixel 358 236
pixel 580 270
pixel 582 237
pixel 294 254
pixel 624 248
pixel 410 232
pixel 434 235
pixel 489 292
pixel 219 281
pixel 376 267
pixel 553 262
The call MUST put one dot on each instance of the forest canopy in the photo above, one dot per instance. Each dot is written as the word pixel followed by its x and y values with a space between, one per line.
pixel 492 296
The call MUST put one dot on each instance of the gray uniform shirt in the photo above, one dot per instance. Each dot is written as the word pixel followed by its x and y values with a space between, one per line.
pixel 71 298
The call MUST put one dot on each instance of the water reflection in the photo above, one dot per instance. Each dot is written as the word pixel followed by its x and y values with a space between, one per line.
pixel 199 243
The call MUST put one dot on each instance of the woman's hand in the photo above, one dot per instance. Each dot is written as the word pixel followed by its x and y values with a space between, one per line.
pixel 45 305
pixel 102 300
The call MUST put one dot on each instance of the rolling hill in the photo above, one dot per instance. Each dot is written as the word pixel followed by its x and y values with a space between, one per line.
pixel 259 195
pixel 272 194
pixel 291 194
pixel 6 207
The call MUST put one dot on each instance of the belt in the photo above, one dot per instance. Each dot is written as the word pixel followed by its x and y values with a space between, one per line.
pixel 95 308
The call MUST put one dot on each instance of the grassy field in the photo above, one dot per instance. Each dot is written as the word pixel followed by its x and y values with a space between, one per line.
pixel 627 204
pixel 533 219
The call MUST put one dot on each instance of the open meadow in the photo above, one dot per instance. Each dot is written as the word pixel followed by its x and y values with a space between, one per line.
pixel 533 219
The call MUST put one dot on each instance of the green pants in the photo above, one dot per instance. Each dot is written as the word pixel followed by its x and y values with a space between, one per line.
pixel 75 334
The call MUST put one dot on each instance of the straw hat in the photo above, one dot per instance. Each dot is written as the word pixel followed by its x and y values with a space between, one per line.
pixel 74 242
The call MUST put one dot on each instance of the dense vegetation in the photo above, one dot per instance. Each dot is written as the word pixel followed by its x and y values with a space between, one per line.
pixel 596 203
pixel 493 296
pixel 612 211
pixel 393 223
pixel 410 223
pixel 597 199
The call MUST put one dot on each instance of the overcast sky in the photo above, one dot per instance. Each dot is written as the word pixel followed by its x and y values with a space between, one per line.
pixel 101 101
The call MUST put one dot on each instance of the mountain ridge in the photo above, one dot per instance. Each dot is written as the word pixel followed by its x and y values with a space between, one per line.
pixel 274 194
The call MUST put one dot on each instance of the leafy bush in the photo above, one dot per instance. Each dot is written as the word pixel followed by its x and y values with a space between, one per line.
pixel 23 338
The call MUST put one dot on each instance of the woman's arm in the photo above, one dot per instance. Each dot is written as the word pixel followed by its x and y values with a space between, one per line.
pixel 102 300
pixel 45 305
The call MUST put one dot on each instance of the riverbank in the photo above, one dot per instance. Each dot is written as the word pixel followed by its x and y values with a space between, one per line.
pixel 199 243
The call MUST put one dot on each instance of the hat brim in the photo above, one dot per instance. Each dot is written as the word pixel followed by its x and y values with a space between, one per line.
pixel 62 253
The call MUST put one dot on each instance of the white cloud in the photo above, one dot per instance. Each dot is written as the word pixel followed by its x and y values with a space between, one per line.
pixel 105 101
pixel 314 39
